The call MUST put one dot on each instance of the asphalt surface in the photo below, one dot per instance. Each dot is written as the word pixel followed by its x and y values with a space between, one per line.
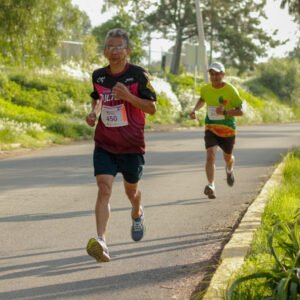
pixel 47 200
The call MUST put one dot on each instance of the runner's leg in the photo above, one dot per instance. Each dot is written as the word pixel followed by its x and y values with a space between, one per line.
pixel 134 196
pixel 210 163
pixel 229 160
pixel 102 209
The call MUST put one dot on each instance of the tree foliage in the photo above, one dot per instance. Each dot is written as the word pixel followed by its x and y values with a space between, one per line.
pixel 125 21
pixel 227 26
pixel 234 32
pixel 176 20
pixel 136 9
pixel 282 77
pixel 293 8
pixel 30 30
pixel 295 53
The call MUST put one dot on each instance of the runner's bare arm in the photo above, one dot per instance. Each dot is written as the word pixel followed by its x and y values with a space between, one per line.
pixel 92 116
pixel 200 103
pixel 236 112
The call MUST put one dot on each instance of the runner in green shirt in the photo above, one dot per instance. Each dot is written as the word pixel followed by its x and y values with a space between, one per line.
pixel 223 104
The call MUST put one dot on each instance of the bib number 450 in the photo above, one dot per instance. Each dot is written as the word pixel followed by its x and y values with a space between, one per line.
pixel 114 116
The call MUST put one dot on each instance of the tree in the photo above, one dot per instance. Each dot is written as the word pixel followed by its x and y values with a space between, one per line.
pixel 232 28
pixel 125 21
pixel 173 18
pixel 30 30
pixel 295 53
pixel 176 19
pixel 294 10
pixel 227 26
pixel 136 9
pixel 282 77
pixel 234 32
pixel 79 25
pixel 293 7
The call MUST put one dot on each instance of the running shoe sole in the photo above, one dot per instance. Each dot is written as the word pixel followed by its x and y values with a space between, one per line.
pixel 95 250
pixel 210 193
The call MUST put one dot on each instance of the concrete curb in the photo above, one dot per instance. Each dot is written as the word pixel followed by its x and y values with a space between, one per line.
pixel 236 249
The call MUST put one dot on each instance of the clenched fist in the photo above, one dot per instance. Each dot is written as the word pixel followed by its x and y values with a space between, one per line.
pixel 91 119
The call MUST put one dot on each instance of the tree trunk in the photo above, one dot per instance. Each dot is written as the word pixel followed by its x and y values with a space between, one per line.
pixel 175 63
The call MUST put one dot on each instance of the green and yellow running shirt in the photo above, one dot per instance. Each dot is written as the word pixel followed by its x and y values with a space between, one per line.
pixel 228 96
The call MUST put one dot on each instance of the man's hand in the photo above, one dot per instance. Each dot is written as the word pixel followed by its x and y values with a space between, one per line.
pixel 121 91
pixel 193 115
pixel 220 110
pixel 91 119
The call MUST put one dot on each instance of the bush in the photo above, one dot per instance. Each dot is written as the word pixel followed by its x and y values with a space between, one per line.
pixel 165 114
pixel 24 114
pixel 54 103
pixel 282 77
pixel 258 110
pixel 282 279
pixel 70 129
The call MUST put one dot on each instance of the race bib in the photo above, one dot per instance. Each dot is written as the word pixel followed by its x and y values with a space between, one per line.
pixel 212 115
pixel 114 116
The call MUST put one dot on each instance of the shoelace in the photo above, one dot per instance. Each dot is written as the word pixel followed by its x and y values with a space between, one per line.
pixel 138 225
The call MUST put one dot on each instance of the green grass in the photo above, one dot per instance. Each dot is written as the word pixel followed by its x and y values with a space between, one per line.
pixel 283 203
pixel 38 109
pixel 261 104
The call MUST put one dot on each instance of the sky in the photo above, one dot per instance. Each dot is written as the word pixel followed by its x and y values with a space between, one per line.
pixel 277 19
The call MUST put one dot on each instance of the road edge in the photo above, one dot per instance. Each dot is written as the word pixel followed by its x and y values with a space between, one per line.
pixel 236 249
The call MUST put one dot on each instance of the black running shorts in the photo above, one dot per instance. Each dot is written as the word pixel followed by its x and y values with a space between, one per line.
pixel 225 143
pixel 129 165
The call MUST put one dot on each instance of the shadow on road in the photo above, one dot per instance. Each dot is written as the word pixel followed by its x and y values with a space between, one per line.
pixel 103 285
pixel 77 169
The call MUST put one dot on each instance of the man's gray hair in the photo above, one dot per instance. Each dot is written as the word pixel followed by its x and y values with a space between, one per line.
pixel 118 32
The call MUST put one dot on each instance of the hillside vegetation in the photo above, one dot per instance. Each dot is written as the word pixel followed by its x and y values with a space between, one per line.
pixel 39 109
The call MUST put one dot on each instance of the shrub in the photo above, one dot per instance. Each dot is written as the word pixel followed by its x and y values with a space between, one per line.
pixel 70 129
pixel 281 76
pixel 165 114
pixel 283 279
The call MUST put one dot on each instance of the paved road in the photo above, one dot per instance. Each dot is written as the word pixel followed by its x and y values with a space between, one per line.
pixel 47 199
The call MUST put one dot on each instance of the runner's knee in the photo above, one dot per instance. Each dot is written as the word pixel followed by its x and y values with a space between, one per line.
pixel 104 190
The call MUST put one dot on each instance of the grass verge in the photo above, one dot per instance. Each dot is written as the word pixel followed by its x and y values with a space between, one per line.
pixel 283 203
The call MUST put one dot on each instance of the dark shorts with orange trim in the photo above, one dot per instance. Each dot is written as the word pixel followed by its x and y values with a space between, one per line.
pixel 225 143
pixel 130 165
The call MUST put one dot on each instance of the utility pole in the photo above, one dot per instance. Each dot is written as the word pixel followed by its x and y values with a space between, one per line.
pixel 200 29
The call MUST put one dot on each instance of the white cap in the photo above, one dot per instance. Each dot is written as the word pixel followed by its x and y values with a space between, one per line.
pixel 217 66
